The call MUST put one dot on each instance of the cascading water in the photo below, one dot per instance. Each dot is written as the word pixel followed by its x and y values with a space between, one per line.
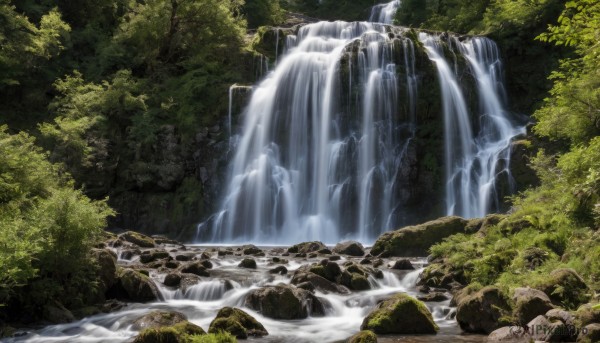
pixel 384 13
pixel 473 160
pixel 323 150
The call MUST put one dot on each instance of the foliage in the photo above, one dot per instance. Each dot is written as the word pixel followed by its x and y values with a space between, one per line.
pixel 262 12
pixel 333 10
pixel 46 227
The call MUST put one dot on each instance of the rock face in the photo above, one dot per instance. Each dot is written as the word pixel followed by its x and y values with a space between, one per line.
pixel 137 286
pixel 284 302
pixel 238 323
pixel 306 247
pixel 564 286
pixel 481 311
pixel 530 303
pixel 156 319
pixel 414 241
pixel 365 336
pixel 351 248
pixel 400 314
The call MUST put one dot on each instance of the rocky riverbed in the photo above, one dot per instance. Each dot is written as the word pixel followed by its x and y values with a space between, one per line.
pixel 306 293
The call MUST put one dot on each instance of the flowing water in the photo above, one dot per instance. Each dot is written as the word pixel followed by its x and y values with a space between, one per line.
pixel 201 302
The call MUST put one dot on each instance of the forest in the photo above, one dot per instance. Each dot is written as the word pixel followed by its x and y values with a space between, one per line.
pixel 112 115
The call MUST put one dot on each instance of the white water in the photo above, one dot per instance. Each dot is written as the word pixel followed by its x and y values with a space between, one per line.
pixel 473 159
pixel 201 302
pixel 315 163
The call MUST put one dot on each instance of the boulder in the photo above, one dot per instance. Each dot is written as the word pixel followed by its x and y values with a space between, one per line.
pixel 179 332
pixel 172 280
pixel 284 302
pixel 137 286
pixel 156 319
pixel 238 323
pixel 55 313
pixel 249 263
pixel 351 248
pixel 365 336
pixel 482 311
pixel 184 257
pixel 317 282
pixel 281 270
pixel 251 250
pixel 589 334
pixel 544 330
pixel 587 314
pixel 196 268
pixel 516 334
pixel 400 314
pixel 329 270
pixel 107 271
pixel 433 297
pixel 415 241
pixel 306 247
pixel 153 255
pixel 529 303
pixel 403 264
pixel 565 287
pixel 138 239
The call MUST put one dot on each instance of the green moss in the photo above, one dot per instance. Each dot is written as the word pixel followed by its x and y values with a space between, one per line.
pixel 178 333
pixel 400 314
pixel 236 322
pixel 221 337
pixel 365 336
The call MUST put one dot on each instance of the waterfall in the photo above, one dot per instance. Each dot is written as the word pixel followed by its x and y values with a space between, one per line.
pixel 384 13
pixel 328 135
pixel 473 160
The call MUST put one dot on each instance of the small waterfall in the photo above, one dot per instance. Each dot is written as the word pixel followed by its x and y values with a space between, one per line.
pixel 473 160
pixel 384 13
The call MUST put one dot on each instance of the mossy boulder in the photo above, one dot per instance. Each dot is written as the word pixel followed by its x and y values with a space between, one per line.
pixel 249 263
pixel 351 248
pixel 107 268
pixel 306 247
pixel 284 302
pixel 566 288
pixel 415 241
pixel 327 269
pixel 172 280
pixel 197 268
pixel 529 303
pixel 587 314
pixel 137 286
pixel 591 335
pixel 403 264
pixel 138 239
pixel 238 323
pixel 365 336
pixel 156 319
pixel 400 314
pixel 153 255
pixel 317 282
pixel 178 333
pixel 483 311
pixel 250 249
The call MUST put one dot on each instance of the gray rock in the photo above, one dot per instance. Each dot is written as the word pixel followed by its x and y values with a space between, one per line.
pixel 529 303
pixel 284 302
pixel 351 248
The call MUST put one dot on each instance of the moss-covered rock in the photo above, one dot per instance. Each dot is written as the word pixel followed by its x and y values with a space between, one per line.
pixel 238 323
pixel 327 269
pixel 250 250
pixel 566 288
pixel 414 241
pixel 483 311
pixel 153 255
pixel 178 333
pixel 107 269
pixel 317 282
pixel 138 239
pixel 365 336
pixel 403 264
pixel 587 314
pixel 284 302
pixel 156 319
pixel 529 303
pixel 306 247
pixel 351 248
pixel 137 286
pixel 197 268
pixel 591 335
pixel 400 314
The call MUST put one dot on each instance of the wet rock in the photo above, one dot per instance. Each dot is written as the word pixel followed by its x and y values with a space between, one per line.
pixel 312 255
pixel 205 256
pixel 249 263
pixel 317 282
pixel 172 280
pixel 138 239
pixel 415 241
pixel 207 264
pixel 403 264
pixel 281 270
pixel 335 258
pixel 224 252
pixel 251 250
pixel 306 247
pixel 153 255
pixel 515 334
pixel 180 332
pixel 238 323
pixel 433 297
pixel 112 305
pixel 172 264
pixel 184 257
pixel 55 313
pixel 565 287
pixel 377 262
pixel 351 248
pixel 137 286
pixel 400 314
pixel 159 239
pixel 365 336
pixel 195 268
pixel 284 302
pixel 365 261
pixel 541 329
pixel 529 303
pixel 156 319
pixel 324 251
pixel 329 270
pixel 482 311
pixel 107 271
pixel 129 253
